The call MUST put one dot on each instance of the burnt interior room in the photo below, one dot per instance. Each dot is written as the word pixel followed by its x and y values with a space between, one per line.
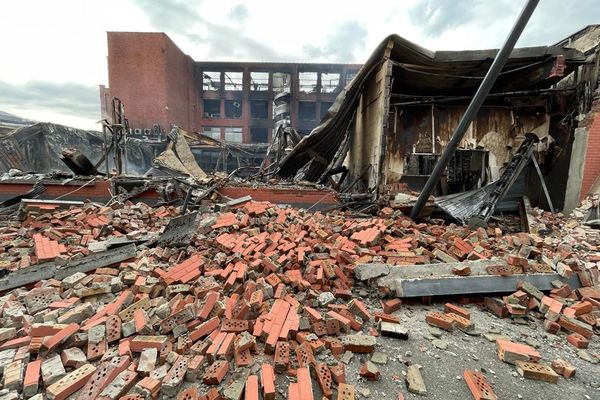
pixel 233 109
pixel 212 108
pixel 427 103
pixel 259 109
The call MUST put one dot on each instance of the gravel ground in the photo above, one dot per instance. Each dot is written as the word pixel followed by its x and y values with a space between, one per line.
pixel 443 369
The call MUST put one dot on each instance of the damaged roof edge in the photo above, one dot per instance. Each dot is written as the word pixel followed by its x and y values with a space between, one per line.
pixel 319 147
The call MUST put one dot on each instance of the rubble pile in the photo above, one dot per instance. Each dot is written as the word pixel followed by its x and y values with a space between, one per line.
pixel 587 206
pixel 573 311
pixel 574 229
pixel 55 232
pixel 259 292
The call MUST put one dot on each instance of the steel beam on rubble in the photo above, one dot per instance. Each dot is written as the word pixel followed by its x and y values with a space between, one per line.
pixel 439 280
pixel 474 106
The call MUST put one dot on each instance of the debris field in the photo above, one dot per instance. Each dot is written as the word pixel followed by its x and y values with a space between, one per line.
pixel 260 292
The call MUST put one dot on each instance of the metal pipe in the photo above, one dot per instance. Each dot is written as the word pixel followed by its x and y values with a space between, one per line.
pixel 105 148
pixel 473 108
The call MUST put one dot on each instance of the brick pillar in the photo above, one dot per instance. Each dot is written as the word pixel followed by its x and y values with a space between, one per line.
pixel 246 106
pixel 591 167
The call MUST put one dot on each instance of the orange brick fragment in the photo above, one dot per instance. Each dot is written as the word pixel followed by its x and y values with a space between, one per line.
pixel 479 386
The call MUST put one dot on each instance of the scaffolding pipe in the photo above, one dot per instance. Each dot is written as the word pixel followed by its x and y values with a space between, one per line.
pixel 474 106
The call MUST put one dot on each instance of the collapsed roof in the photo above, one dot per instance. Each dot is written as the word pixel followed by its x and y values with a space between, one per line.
pixel 418 73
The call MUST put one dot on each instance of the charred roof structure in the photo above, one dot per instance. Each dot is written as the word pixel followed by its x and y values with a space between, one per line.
pixel 391 123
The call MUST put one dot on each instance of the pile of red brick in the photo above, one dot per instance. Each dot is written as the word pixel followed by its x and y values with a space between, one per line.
pixel 574 311
pixel 49 232
pixel 526 359
pixel 258 286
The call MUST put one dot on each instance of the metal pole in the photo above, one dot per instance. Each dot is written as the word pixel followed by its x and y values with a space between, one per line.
pixel 474 106
pixel 543 182
pixel 105 148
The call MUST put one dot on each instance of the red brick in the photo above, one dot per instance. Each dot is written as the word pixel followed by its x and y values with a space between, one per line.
pixel 60 337
pixel 324 378
pixel 70 383
pixel 576 326
pixel 267 378
pixel 102 377
pixel 216 372
pixel 235 325
pixel 461 322
pixel 305 384
pixel 359 309
pixel 243 358
pixel 389 306
pixel 313 314
pixel 282 356
pixel 188 394
pixel 551 326
pixel 251 390
pixel 386 318
pixel 563 368
pixel 346 392
pixel 440 320
pixel 479 386
pixel 205 329
pixel 32 378
pixel 294 391
pixel 451 308
pixel 578 341
pixel 140 342
pixel 96 350
pixel 496 307
pixel 510 352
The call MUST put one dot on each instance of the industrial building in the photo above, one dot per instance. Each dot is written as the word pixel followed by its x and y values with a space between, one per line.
pixel 161 86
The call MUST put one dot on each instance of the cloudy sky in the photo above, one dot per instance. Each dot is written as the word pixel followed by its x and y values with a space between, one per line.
pixel 54 52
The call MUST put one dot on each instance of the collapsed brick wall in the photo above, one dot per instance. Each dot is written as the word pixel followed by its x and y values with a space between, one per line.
pixel 260 290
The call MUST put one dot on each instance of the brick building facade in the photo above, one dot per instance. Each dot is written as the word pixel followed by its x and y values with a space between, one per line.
pixel 159 84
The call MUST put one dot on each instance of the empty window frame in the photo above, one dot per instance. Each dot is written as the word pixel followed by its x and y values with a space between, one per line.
pixel 259 135
pixel 281 81
pixel 211 81
pixel 259 109
pixel 308 82
pixel 234 81
pixel 330 82
pixel 208 158
pixel 259 81
pixel 212 109
pixel 325 105
pixel 234 134
pixel 233 109
pixel 350 76
pixel 307 110
pixel 212 131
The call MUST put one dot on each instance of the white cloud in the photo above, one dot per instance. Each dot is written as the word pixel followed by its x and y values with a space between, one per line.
pixel 63 42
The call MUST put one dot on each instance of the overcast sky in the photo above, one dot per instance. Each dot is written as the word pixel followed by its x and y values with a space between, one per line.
pixel 54 52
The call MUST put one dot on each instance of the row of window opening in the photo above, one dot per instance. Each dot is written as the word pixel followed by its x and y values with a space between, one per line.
pixel 309 82
pixel 259 109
